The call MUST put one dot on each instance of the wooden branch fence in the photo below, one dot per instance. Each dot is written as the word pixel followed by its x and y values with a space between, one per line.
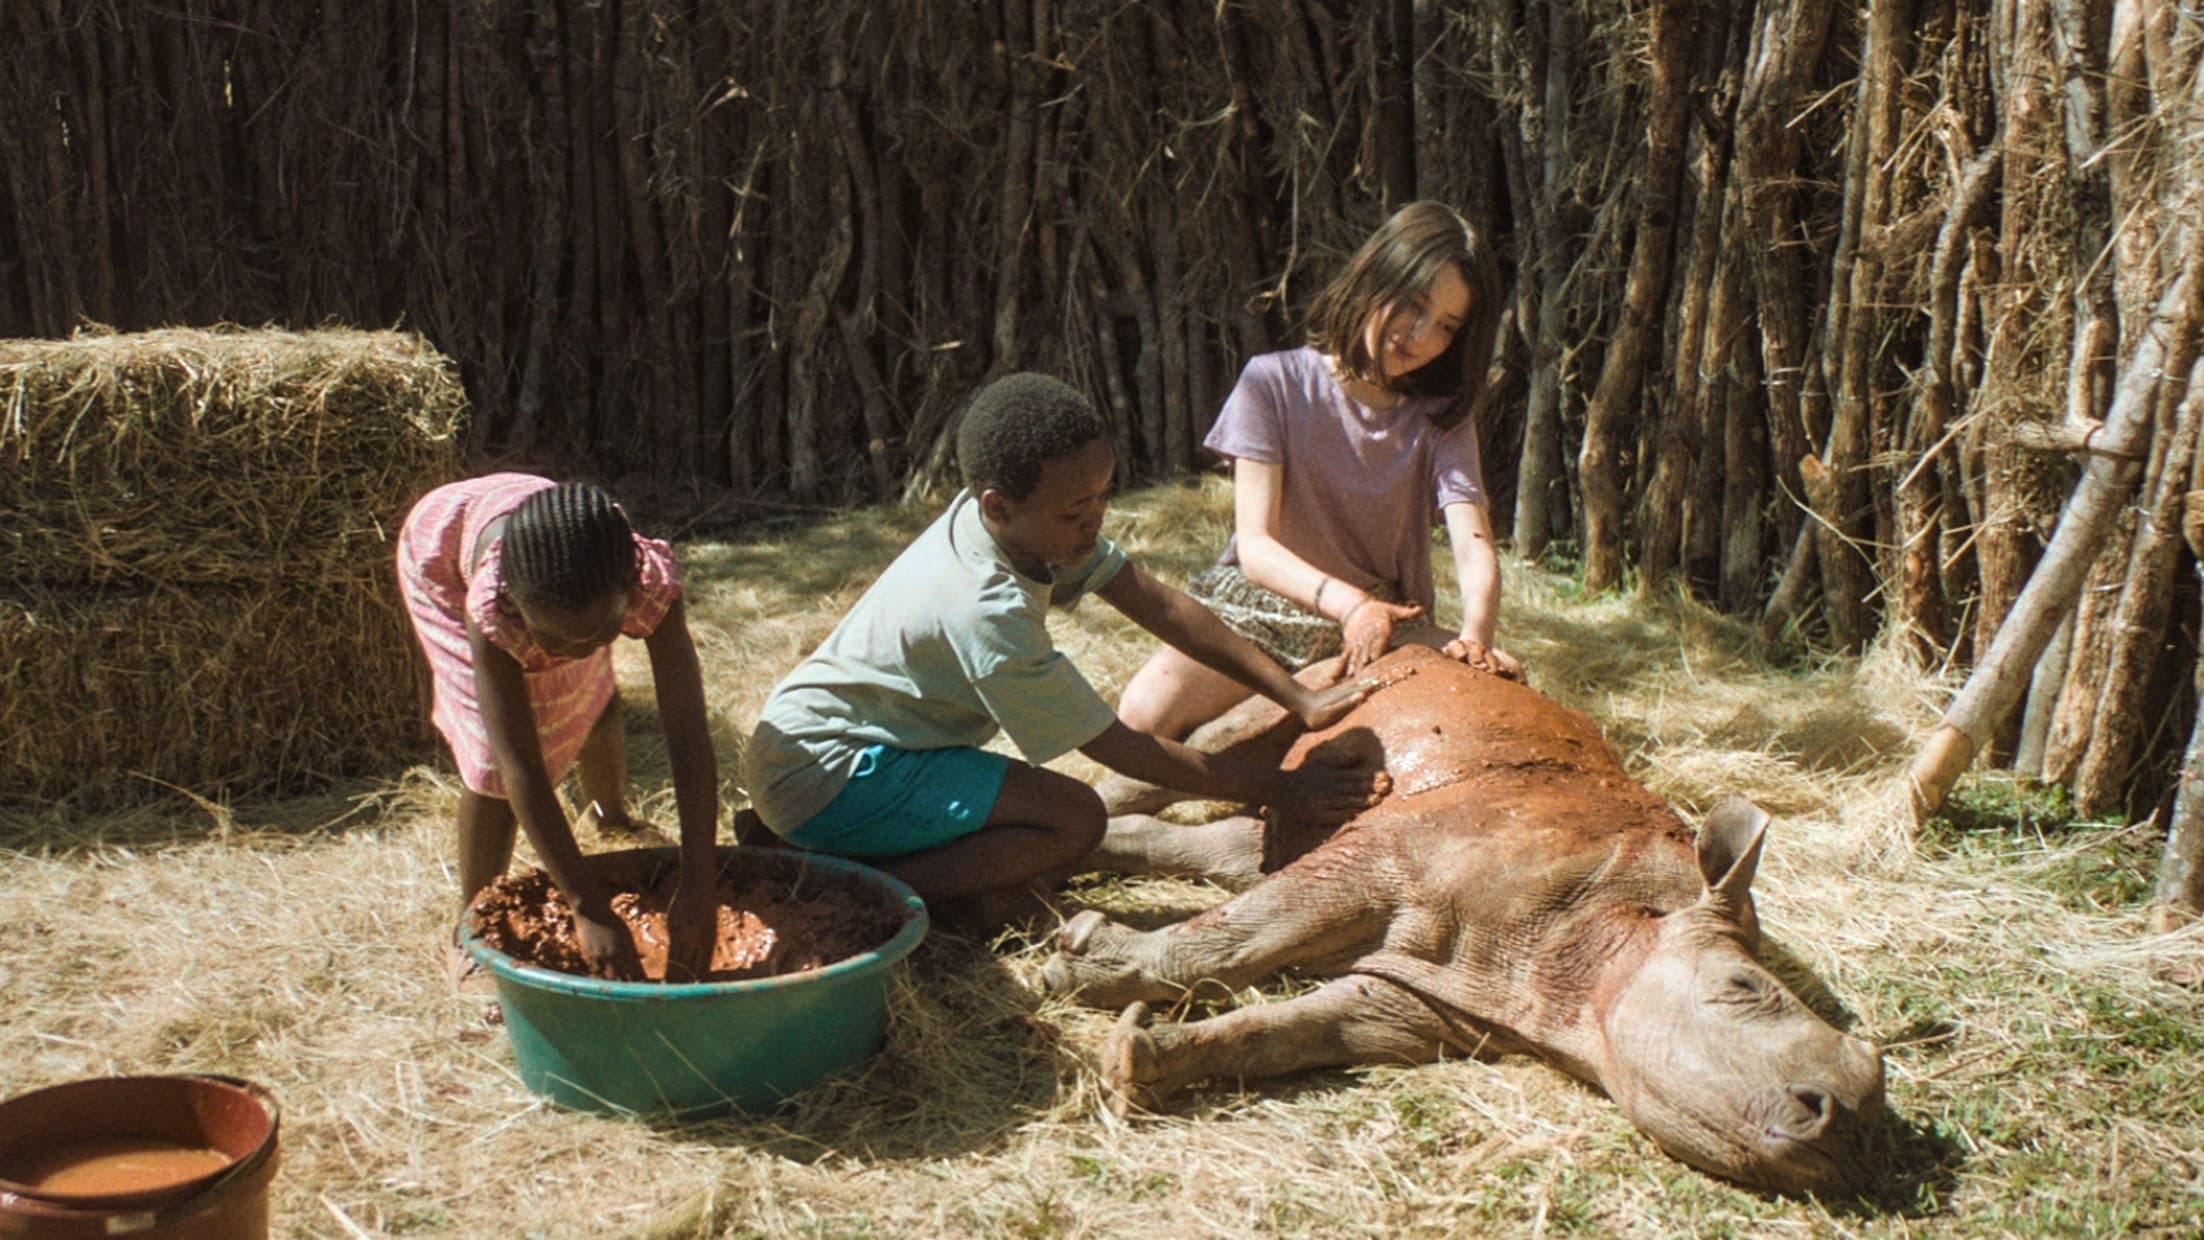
pixel 1814 306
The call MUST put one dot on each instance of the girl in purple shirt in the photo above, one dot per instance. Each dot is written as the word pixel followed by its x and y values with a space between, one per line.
pixel 1344 452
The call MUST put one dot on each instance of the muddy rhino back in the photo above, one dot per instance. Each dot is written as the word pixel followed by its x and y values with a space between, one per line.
pixel 1498 791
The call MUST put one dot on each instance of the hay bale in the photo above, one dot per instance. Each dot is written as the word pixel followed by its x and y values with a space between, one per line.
pixel 195 541
pixel 183 457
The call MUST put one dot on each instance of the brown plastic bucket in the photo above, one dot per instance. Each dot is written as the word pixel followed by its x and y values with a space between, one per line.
pixel 174 1157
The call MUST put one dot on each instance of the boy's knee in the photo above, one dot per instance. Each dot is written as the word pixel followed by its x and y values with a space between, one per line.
pixel 1086 821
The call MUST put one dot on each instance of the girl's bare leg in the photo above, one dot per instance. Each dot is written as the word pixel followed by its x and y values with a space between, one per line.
pixel 602 768
pixel 486 830
pixel 1171 695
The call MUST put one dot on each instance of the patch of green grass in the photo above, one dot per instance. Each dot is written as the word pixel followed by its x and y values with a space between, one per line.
pixel 1564 558
pixel 1043 1216
pixel 2146 1053
pixel 1140 1187
pixel 2003 803
pixel 2001 817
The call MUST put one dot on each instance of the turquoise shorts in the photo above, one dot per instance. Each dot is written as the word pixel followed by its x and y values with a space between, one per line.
pixel 904 800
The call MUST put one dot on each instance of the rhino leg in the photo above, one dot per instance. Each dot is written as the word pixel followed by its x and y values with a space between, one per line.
pixel 1228 851
pixel 1353 1020
pixel 1296 916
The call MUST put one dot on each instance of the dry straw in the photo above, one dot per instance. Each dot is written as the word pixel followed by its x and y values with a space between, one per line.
pixel 2041 1069
pixel 197 551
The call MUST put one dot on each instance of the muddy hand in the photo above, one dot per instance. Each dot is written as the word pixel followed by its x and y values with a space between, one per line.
pixel 1321 708
pixel 1367 632
pixel 1331 793
pixel 606 943
pixel 1485 658
pixel 692 930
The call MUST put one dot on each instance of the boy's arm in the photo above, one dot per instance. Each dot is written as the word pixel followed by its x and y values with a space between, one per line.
pixel 1477 567
pixel 694 915
pixel 1196 632
pixel 1320 792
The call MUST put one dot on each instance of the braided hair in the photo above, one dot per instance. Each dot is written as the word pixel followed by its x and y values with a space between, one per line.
pixel 1019 423
pixel 568 546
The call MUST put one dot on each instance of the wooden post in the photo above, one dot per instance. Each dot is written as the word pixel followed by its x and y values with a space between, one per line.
pixel 1996 683
pixel 2179 898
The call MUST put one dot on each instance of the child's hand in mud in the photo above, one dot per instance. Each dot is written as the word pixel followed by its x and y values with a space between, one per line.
pixel 606 943
pixel 1485 658
pixel 1325 705
pixel 692 929
pixel 1328 789
pixel 1367 632
pixel 1321 708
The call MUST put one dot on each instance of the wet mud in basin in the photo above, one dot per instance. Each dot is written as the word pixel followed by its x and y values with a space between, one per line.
pixel 776 917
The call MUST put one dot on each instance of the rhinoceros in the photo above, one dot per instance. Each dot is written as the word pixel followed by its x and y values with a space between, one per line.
pixel 1517 891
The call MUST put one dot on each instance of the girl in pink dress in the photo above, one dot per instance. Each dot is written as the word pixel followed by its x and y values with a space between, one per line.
pixel 517 587
pixel 1345 453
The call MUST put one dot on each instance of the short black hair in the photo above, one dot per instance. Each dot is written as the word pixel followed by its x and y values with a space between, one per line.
pixel 568 546
pixel 1019 423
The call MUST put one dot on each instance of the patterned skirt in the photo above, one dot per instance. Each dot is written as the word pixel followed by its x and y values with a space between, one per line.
pixel 1279 627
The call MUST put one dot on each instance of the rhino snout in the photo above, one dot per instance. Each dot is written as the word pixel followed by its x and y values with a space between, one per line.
pixel 1820 1129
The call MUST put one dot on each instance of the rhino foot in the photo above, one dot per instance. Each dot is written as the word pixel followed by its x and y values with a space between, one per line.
pixel 1095 964
pixel 1132 1064
pixel 1073 938
pixel 1122 794
pixel 1061 975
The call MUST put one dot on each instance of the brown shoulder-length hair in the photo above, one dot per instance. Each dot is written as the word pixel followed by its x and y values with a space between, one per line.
pixel 1394 269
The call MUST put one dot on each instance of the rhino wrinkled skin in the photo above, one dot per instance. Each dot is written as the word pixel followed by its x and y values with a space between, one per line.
pixel 1517 892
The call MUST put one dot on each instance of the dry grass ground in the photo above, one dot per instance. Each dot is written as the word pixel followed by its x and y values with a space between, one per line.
pixel 2042 1080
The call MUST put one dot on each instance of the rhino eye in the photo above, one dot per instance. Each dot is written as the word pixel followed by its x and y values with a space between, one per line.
pixel 1743 988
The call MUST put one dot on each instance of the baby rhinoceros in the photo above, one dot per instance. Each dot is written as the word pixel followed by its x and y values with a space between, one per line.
pixel 1517 891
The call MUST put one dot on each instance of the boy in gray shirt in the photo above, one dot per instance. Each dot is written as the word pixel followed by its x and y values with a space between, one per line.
pixel 870 748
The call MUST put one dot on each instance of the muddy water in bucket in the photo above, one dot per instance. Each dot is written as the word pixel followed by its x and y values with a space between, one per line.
pixel 174 1157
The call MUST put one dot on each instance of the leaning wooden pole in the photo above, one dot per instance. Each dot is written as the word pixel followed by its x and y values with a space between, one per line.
pixel 2179 898
pixel 2115 450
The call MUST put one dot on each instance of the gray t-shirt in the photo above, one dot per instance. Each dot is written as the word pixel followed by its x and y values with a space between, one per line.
pixel 1361 488
pixel 948 647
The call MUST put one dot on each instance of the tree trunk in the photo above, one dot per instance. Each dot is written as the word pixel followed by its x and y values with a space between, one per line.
pixel 1846 506
pixel 2130 697
pixel 1678 442
pixel 1788 44
pixel 2179 897
pixel 2027 290
pixel 1606 430
pixel 1541 494
pixel 1921 621
pixel 1015 193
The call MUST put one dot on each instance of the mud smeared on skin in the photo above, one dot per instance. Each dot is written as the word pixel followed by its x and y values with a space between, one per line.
pixel 774 920
pixel 1474 753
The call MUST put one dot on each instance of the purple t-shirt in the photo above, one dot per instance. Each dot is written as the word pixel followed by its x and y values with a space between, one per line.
pixel 1360 488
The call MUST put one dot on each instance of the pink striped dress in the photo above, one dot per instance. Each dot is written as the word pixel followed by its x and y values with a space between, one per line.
pixel 441 590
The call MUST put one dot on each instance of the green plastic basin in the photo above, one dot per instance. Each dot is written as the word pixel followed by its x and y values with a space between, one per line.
pixel 700 1049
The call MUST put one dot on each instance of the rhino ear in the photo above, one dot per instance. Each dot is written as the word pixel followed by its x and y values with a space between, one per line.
pixel 1729 852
